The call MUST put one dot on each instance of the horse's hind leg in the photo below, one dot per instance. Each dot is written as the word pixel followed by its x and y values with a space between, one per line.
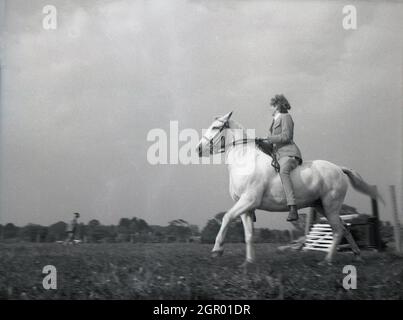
pixel 331 206
pixel 341 230
pixel 352 243
pixel 338 232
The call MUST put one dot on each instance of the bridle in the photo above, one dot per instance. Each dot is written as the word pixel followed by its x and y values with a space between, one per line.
pixel 225 125
pixel 213 141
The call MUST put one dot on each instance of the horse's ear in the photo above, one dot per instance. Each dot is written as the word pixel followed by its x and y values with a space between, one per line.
pixel 224 118
pixel 227 116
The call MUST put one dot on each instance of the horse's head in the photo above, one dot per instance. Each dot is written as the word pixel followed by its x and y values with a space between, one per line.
pixel 213 139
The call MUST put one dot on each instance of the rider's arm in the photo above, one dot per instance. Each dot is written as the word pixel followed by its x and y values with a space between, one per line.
pixel 287 131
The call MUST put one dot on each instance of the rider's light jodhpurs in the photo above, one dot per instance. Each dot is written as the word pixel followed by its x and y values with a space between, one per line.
pixel 287 164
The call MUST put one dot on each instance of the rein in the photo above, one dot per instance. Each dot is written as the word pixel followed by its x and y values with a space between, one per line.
pixel 264 147
pixel 242 141
pixel 259 144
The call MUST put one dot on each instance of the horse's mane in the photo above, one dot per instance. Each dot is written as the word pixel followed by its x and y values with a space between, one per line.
pixel 235 124
pixel 262 146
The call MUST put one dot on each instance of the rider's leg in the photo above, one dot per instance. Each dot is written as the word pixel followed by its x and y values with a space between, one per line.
pixel 287 164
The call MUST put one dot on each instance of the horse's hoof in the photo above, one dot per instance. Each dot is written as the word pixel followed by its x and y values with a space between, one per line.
pixel 247 266
pixel 324 263
pixel 217 253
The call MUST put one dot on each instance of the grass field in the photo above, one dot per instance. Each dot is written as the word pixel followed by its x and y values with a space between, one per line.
pixel 186 271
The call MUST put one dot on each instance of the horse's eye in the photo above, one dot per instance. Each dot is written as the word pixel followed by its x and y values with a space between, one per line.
pixel 216 128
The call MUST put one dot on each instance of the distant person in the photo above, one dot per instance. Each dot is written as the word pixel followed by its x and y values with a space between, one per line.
pixel 72 229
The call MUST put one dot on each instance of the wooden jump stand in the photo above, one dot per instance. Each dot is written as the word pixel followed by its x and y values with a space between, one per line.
pixel 319 236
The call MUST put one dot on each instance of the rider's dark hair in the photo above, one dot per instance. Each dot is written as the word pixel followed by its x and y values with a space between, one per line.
pixel 281 103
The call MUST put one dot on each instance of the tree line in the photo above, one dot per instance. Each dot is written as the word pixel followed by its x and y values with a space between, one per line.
pixel 138 230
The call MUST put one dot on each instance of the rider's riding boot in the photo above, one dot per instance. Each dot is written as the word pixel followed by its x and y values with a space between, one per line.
pixel 293 215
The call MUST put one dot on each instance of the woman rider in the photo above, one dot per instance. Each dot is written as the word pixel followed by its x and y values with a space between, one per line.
pixel 287 153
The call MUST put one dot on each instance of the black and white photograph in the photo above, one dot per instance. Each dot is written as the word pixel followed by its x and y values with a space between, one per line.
pixel 198 150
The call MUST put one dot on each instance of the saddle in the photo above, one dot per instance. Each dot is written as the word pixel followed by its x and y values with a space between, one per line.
pixel 269 149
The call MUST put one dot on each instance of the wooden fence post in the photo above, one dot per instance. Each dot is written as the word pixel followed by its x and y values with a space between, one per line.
pixel 396 223
pixel 375 213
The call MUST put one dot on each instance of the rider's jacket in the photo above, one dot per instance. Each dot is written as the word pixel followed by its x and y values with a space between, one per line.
pixel 281 135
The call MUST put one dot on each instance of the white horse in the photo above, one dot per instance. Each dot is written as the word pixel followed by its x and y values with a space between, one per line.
pixel 254 184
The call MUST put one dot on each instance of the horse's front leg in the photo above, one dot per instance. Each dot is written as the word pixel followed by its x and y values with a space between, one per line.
pixel 247 220
pixel 246 202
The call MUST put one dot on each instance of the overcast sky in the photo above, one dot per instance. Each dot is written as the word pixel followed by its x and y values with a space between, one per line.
pixel 77 102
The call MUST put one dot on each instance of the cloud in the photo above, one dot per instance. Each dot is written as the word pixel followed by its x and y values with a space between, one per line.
pixel 78 102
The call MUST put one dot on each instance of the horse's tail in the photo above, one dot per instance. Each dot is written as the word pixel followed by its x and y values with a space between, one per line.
pixel 360 185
